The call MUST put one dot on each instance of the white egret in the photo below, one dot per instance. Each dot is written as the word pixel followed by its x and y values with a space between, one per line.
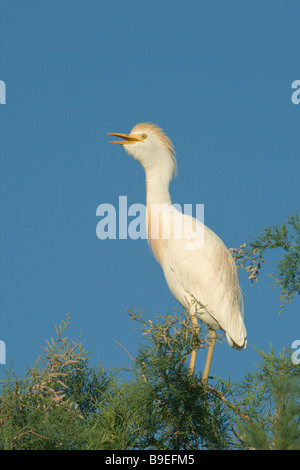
pixel 201 276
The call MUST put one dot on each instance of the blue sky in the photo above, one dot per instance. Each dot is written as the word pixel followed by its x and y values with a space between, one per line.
pixel 217 77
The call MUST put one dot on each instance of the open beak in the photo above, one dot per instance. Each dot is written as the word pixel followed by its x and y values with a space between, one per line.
pixel 128 139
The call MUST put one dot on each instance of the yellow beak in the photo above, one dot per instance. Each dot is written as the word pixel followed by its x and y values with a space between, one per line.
pixel 128 139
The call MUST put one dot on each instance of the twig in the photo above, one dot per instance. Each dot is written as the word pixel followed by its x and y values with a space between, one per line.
pixel 125 350
pixel 24 433
pixel 227 403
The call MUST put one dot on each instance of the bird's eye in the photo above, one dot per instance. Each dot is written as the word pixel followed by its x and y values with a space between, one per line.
pixel 144 136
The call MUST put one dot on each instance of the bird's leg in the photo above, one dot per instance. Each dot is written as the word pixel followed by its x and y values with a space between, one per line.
pixel 194 352
pixel 212 341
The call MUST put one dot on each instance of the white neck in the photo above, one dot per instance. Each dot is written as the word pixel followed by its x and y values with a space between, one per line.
pixel 158 196
pixel 158 178
pixel 157 185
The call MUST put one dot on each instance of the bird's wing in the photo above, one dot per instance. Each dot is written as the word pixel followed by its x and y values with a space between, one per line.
pixel 208 274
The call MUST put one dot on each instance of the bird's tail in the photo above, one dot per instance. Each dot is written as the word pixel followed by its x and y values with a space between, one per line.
pixel 236 334
pixel 240 345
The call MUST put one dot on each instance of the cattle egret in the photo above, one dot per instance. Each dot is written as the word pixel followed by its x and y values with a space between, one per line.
pixel 201 276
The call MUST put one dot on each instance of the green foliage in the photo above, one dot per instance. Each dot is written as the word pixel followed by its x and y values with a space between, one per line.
pixel 32 407
pixel 179 413
pixel 266 404
pixel 287 274
pixel 63 402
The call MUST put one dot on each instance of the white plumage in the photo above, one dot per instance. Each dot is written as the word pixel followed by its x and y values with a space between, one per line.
pixel 202 278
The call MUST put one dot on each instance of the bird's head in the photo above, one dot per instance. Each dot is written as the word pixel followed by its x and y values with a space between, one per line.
pixel 150 146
